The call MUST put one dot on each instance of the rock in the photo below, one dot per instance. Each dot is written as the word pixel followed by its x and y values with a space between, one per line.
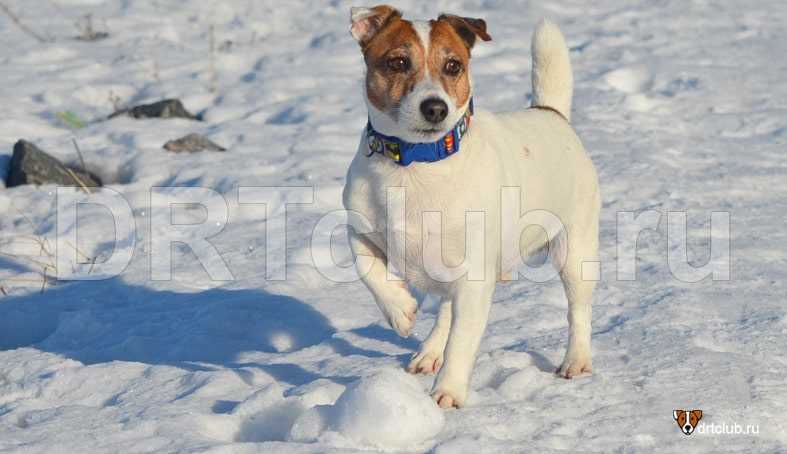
pixel 92 35
pixel 168 108
pixel 192 143
pixel 30 165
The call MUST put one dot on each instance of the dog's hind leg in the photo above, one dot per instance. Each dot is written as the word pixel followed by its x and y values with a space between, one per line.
pixel 429 358
pixel 392 297
pixel 582 251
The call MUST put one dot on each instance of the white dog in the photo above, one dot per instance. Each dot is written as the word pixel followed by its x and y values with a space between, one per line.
pixel 425 141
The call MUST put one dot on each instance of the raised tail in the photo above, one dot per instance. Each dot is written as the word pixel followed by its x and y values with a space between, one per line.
pixel 553 82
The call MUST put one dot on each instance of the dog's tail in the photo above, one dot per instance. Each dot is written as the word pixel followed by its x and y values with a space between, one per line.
pixel 553 83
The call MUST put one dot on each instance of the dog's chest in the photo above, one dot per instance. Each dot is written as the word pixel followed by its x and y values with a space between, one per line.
pixel 422 213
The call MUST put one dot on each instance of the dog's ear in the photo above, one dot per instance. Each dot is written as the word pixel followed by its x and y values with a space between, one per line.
pixel 675 414
pixel 697 414
pixel 367 22
pixel 467 28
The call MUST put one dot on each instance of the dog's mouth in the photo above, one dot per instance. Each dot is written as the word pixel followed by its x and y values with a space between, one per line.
pixel 428 131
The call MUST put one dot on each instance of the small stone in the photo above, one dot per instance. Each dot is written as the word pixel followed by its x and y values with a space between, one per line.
pixel 192 143
pixel 31 165
pixel 92 35
pixel 168 108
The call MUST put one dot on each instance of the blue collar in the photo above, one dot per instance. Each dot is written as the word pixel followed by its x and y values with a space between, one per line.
pixel 403 153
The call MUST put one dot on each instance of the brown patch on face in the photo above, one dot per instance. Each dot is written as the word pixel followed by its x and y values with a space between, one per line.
pixel 695 417
pixel 449 61
pixel 394 62
pixel 681 419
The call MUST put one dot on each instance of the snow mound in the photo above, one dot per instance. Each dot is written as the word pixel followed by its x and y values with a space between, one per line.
pixel 388 410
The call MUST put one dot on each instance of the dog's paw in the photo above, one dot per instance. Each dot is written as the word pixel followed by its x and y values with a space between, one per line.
pixel 447 399
pixel 448 393
pixel 574 364
pixel 400 312
pixel 402 321
pixel 427 361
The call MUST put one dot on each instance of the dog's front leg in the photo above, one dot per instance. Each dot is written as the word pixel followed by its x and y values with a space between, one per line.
pixel 429 358
pixel 392 297
pixel 469 314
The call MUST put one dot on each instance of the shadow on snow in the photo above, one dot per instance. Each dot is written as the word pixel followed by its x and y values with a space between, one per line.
pixel 104 321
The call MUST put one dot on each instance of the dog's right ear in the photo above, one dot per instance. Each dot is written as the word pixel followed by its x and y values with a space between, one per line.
pixel 367 22
pixel 675 414
pixel 467 28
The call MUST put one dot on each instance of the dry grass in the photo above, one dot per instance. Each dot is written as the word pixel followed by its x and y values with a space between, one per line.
pixel 15 19
pixel 43 262
pixel 86 30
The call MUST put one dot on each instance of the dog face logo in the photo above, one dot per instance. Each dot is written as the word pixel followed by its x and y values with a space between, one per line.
pixel 687 419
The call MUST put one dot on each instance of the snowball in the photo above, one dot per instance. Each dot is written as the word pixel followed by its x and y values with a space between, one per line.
pixel 387 410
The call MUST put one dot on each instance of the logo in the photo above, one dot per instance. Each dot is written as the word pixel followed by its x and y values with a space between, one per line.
pixel 687 420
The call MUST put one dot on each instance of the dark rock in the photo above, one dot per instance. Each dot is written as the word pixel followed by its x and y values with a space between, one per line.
pixel 30 165
pixel 91 35
pixel 192 143
pixel 168 108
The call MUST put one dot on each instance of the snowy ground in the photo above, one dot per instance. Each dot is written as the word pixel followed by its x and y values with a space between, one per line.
pixel 682 105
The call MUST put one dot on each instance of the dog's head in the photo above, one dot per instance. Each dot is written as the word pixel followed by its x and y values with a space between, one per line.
pixel 687 420
pixel 418 82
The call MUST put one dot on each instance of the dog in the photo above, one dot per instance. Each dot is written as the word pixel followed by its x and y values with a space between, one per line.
pixel 687 420
pixel 450 163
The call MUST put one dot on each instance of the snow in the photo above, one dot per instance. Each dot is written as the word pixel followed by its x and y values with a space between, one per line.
pixel 388 410
pixel 369 410
pixel 681 104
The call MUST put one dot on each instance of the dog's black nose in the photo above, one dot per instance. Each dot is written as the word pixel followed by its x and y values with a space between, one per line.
pixel 434 110
pixel 687 428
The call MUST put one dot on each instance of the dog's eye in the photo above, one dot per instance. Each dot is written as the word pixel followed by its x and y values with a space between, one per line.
pixel 399 64
pixel 452 67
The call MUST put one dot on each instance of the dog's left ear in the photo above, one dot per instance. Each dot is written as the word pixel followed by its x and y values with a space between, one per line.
pixel 467 28
pixel 697 414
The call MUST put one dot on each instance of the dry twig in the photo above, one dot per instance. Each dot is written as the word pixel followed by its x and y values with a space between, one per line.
pixel 78 180
pixel 79 153
pixel 15 19
pixel 45 261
